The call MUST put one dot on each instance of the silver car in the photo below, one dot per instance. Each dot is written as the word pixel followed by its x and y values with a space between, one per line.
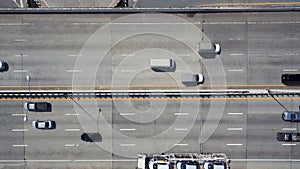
pixel 291 116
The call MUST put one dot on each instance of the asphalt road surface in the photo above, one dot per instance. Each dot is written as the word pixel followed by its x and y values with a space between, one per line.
pixel 58 51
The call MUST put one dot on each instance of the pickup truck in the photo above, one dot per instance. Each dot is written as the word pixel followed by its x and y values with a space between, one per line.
pixel 192 79
pixel 38 106
pixel 288 137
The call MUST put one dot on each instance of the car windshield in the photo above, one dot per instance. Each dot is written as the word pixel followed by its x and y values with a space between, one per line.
pixel 293 116
pixel 47 124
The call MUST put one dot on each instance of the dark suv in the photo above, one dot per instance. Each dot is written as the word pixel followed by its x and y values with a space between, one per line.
pixel 91 137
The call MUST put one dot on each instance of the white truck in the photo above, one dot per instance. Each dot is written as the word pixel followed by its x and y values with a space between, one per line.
pixel 183 160
pixel 162 65
pixel 209 49
pixel 192 79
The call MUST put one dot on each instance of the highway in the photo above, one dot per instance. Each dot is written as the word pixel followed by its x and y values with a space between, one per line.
pixel 58 51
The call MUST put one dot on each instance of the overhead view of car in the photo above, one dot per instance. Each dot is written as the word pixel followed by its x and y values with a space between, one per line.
pixel 291 116
pixel 91 137
pixel 290 79
pixel 38 106
pixel 187 165
pixel 3 66
pixel 214 165
pixel 40 124
pixel 288 137
pixel 161 164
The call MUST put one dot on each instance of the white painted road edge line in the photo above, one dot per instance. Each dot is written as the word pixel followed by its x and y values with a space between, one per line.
pixel 234 144
pixel 235 70
pixel 234 129
pixel 106 160
pixel 74 71
pixel 20 145
pixel 72 129
pixel 286 144
pixel 127 129
pixel 288 128
pixel 181 114
pixel 127 114
pixel 20 71
pixel 127 145
pixel 289 70
pixel 19 130
pixel 235 113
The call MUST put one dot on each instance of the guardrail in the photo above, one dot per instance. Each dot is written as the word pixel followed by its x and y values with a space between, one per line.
pixel 117 94
pixel 214 9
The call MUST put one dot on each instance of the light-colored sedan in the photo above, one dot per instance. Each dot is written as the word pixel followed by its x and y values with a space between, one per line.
pixel 39 124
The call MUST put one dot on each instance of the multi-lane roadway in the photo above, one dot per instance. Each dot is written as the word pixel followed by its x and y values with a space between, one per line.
pixel 111 51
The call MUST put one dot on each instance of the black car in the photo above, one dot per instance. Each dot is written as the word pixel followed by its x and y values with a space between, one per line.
pixel 3 66
pixel 38 106
pixel 290 79
pixel 91 137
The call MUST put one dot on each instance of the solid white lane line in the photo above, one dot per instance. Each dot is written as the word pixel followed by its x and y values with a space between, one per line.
pixel 20 40
pixel 127 129
pixel 289 70
pixel 127 114
pixel 72 129
pixel 74 71
pixel 236 54
pixel 235 113
pixel 19 130
pixel 289 129
pixel 181 114
pixel 18 114
pixel 72 114
pixel 20 145
pixel 236 70
pixel 180 144
pixel 19 55
pixel 286 144
pixel 127 145
pixel 234 129
pixel 234 144
pixel 180 129
pixel 20 71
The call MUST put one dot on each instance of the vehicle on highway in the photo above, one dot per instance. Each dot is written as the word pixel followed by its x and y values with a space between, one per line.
pixel 91 137
pixel 290 79
pixel 187 165
pixel 38 106
pixel 3 66
pixel 192 79
pixel 291 116
pixel 163 65
pixel 40 124
pixel 160 164
pixel 206 49
pixel 214 165
pixel 288 137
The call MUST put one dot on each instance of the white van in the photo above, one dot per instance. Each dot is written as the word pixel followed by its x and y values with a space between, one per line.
pixel 164 65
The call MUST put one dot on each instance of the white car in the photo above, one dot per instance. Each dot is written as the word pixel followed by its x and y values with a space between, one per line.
pixel 39 124
pixel 160 165
pixel 187 165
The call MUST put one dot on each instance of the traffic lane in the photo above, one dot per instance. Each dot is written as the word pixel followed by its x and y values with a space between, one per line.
pixel 12 130
pixel 64 142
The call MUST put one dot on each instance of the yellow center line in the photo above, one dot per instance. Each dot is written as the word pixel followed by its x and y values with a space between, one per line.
pixel 251 4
